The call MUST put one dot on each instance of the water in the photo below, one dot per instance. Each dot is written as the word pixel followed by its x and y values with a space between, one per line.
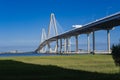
pixel 26 54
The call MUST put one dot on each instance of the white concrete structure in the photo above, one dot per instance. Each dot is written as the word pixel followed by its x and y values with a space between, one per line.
pixel 106 23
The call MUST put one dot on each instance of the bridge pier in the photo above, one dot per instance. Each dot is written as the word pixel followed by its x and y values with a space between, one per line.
pixel 88 43
pixel 60 46
pixel 49 48
pixel 64 45
pixel 93 42
pixel 57 46
pixel 69 45
pixel 76 37
pixel 108 40
pixel 43 50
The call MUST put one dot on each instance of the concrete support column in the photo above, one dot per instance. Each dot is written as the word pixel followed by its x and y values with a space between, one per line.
pixel 64 45
pixel 88 43
pixel 57 46
pixel 76 37
pixel 60 46
pixel 43 49
pixel 108 40
pixel 93 42
pixel 40 51
pixel 69 45
pixel 49 47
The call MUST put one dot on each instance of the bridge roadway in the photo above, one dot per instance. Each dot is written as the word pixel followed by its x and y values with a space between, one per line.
pixel 106 23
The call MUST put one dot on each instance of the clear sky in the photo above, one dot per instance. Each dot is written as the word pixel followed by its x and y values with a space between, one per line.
pixel 21 21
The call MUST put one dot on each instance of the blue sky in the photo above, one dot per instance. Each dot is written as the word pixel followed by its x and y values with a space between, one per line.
pixel 21 21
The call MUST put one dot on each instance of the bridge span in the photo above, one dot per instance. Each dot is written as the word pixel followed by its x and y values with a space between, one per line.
pixel 106 23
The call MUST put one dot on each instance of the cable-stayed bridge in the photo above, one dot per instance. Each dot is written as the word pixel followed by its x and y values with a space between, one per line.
pixel 62 40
